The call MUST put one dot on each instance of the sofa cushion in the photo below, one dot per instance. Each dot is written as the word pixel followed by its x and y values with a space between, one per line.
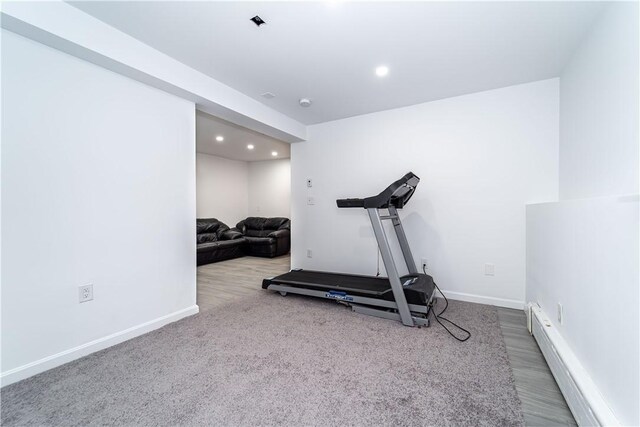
pixel 275 223
pixel 206 237
pixel 230 243
pixel 207 247
pixel 259 223
pixel 261 227
pixel 231 234
pixel 259 241
pixel 257 233
pixel 211 225
pixel 207 225
pixel 211 246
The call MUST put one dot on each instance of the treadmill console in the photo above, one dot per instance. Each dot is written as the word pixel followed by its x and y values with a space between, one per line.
pixel 397 195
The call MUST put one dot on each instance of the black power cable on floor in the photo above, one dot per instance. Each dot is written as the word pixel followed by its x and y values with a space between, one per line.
pixel 439 317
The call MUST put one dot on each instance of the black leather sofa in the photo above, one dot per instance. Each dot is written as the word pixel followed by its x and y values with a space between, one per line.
pixel 266 237
pixel 217 242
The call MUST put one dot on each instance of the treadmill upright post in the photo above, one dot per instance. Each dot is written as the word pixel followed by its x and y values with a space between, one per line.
pixel 390 266
pixel 402 239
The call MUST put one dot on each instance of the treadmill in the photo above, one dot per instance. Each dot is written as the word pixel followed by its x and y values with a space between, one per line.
pixel 407 299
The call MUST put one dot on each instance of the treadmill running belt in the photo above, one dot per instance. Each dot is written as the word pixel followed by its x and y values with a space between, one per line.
pixel 346 282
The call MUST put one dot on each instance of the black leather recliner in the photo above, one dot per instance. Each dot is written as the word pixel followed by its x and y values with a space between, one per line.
pixel 217 242
pixel 266 237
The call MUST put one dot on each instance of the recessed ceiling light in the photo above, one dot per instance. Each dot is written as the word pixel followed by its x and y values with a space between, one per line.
pixel 257 20
pixel 219 138
pixel 304 102
pixel 274 153
pixel 250 146
pixel 382 71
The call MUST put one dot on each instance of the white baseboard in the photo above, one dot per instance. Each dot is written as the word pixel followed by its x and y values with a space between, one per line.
pixel 582 395
pixel 49 362
pixel 500 302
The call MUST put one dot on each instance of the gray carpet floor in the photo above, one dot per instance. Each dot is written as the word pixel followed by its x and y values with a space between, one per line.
pixel 272 360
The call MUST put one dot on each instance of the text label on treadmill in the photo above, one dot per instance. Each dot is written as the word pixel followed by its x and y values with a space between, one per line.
pixel 342 296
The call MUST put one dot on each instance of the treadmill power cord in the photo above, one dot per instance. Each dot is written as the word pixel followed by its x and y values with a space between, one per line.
pixel 439 317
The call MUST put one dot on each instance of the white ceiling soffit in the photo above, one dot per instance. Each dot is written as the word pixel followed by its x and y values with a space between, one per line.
pixel 66 28
pixel 235 141
pixel 327 51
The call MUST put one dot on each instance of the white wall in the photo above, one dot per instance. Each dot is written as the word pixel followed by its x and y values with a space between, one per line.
pixel 480 158
pixel 599 109
pixel 222 188
pixel 232 190
pixel 97 188
pixel 583 253
pixel 270 188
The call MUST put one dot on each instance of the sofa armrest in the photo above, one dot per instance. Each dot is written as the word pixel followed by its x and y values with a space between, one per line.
pixel 279 234
pixel 283 241
pixel 240 227
pixel 285 226
pixel 231 234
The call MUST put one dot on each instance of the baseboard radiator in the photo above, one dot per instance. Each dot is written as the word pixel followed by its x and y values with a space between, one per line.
pixel 583 397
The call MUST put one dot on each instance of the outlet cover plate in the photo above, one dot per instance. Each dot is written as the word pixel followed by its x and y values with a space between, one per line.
pixel 85 293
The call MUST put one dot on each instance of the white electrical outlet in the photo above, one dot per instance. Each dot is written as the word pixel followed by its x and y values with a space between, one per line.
pixel 489 270
pixel 560 320
pixel 423 264
pixel 311 200
pixel 309 253
pixel 85 293
pixel 309 183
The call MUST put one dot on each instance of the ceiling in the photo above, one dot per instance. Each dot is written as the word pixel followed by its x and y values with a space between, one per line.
pixel 327 51
pixel 236 139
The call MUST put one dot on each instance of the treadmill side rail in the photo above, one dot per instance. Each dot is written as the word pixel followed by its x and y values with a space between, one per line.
pixel 420 321
pixel 424 309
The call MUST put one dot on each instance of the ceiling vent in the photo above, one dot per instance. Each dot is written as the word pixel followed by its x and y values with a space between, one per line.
pixel 257 20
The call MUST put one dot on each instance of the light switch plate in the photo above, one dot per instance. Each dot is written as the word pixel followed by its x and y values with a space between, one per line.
pixel 489 270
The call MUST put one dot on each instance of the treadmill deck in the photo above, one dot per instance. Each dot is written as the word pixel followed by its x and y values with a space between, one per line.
pixel 374 286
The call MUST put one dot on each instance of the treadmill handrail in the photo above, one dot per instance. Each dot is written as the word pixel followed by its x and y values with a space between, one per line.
pixel 397 194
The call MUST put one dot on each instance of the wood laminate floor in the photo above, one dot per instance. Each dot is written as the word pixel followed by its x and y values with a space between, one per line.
pixel 225 281
pixel 542 402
